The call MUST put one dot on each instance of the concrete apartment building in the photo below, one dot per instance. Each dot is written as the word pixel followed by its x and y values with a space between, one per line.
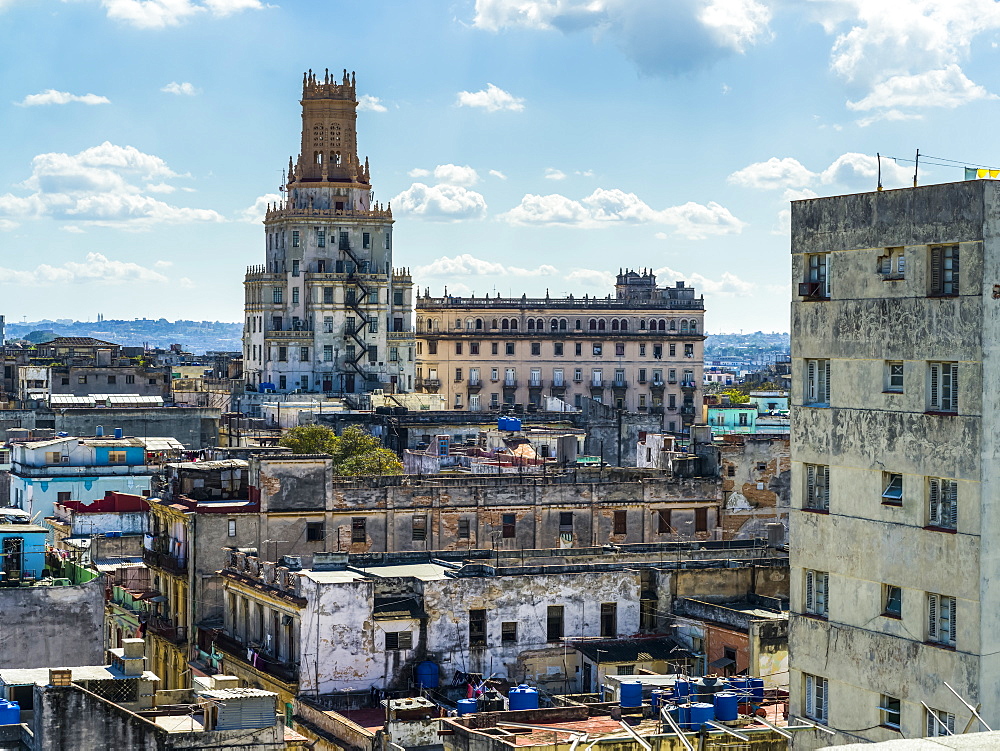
pixel 327 312
pixel 640 350
pixel 895 416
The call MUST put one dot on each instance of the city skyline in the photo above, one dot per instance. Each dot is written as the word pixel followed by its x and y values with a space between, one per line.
pixel 537 146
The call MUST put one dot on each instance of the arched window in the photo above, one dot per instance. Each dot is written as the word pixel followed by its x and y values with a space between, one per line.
pixel 513 324
pixel 694 327
pixel 614 324
pixel 663 325
pixel 469 323
pixel 579 324
pixel 642 324
pixel 673 325
pixel 600 325
pixel 684 326
pixel 562 324
pixel 458 323
pixel 479 324
pixel 318 157
pixel 504 324
pixel 554 325
pixel 430 324
pixel 624 326
pixel 494 324
pixel 531 324
pixel 593 324
pixel 336 158
pixel 540 324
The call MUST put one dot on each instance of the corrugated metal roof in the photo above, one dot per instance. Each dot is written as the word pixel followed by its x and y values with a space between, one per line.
pixel 162 443
pixel 117 562
pixel 70 400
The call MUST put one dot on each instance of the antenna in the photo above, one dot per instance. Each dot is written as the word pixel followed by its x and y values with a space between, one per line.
pixel 281 188
pixel 879 158
pixel 916 168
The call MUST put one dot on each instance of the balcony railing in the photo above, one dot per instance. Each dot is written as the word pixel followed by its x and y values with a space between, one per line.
pixel 597 384
pixel 300 334
pixel 170 563
pixel 430 383
pixel 167 630
pixel 510 383
pixel 431 303
pixel 535 383
pixel 93 470
pixel 616 384
pixel 235 648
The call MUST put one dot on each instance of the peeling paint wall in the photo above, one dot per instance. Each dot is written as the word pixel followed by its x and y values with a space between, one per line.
pixel 756 484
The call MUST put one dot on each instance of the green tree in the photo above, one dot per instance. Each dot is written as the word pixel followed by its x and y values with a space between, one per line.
pixel 736 396
pixel 355 453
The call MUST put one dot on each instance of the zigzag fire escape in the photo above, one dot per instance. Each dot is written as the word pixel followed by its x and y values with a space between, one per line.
pixel 355 301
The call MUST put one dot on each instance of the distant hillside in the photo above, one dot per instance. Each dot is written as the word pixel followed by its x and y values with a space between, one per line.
pixel 194 336
pixel 753 347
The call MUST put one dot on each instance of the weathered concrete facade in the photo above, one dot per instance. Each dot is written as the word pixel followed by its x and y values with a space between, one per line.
pixel 756 483
pixel 894 420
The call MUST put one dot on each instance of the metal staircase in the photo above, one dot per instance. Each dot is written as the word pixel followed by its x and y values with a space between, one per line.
pixel 356 302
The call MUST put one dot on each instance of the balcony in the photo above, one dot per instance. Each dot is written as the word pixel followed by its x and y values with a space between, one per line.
pixel 535 383
pixel 93 470
pixel 172 564
pixel 264 663
pixel 688 384
pixel 475 384
pixel 656 409
pixel 428 383
pixel 619 385
pixel 597 385
pixel 510 383
pixel 268 335
pixel 163 628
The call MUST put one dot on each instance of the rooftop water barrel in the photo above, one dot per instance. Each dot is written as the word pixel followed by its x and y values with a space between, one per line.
pixel 757 689
pixel 119 433
pixel 658 698
pixel 683 716
pixel 99 431
pixel 428 675
pixel 700 713
pixel 467 706
pixel 522 697
pixel 741 686
pixel 10 712
pixel 682 689
pixel 674 711
pixel 727 706
pixel 515 424
pixel 631 693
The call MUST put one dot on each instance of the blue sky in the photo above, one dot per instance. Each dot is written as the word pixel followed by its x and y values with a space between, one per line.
pixel 525 145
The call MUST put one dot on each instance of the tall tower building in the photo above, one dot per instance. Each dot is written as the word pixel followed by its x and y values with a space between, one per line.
pixel 327 312
pixel 895 593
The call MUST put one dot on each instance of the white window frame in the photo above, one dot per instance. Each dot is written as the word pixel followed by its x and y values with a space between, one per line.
pixel 893 488
pixel 816 704
pixel 817 383
pixel 942 503
pixel 942 387
pixel 817 487
pixel 817 592
pixel 817 268
pixel 934 726
pixel 893 380
pixel 888 716
pixel 942 619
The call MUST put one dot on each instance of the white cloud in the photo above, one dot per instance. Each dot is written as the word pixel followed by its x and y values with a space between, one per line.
pixel 658 37
pixel 255 212
pixel 604 208
pixel 887 115
pixel 774 173
pixel 491 99
pixel 468 265
pixel 51 96
pixel 97 268
pixel 158 14
pixel 181 89
pixel 855 169
pixel 6 225
pixel 498 174
pixel 160 188
pixel 454 174
pixel 369 103
pixel 585 173
pixel 661 236
pixel 418 172
pixel 947 87
pixel 100 185
pixel 163 264
pixel 551 173
pixel 594 278
pixel 440 202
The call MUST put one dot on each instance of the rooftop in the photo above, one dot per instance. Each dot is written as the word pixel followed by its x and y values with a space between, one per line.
pixel 40 676
pixel 630 650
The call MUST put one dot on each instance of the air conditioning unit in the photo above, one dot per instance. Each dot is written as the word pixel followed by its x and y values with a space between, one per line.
pixel 810 289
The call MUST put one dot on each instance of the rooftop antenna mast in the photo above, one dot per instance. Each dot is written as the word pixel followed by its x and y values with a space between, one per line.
pixel 916 168
pixel 879 158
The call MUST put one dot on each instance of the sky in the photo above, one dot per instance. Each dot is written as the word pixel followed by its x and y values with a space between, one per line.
pixel 525 145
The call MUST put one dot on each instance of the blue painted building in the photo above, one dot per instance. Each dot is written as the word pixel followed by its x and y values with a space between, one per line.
pixel 22 546
pixel 732 418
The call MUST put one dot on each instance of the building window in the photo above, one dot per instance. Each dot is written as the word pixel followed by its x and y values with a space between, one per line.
pixel 621 523
pixel 939 723
pixel 359 529
pixel 366 240
pixel 458 348
pixel 620 349
pixel 701 520
pixel 321 237
pixel 557 349
pixel 578 349
pixel 941 619
pixel 889 711
pixel 463 528
pixel 626 670
pixel 578 375
pixel 458 375
pixel 282 382
pixel 893 493
pixel 432 348
pixel 892 601
pixel 892 265
pixel 277 294
pixel 942 503
pixel 398 640
pixel 609 620
pixel 282 354
pixel 372 353
pixel 327 353
pixel 817 281
pixel 565 522
pixel 509 348
pixel 554 623
pixel 816 698
pixel 473 348
pixel 508 522
pixel 536 348
pixel 116 457
pixel 130 379
pixel 893 377
pixel 817 587
pixel 303 354
pixel 942 387
pixel 944 271
pixel 508 632
pixel 295 238
pixel 393 354
pixel 817 487
pixel 419 527
pixel 232 528
pixel 64 495
pixel 315 531
pixel 328 297
pixel 663 522
pixel 817 383
pixel 598 349
pixel 477 628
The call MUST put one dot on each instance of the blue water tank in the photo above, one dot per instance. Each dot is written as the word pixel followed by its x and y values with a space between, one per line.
pixel 740 686
pixel 682 689
pixel 683 715
pixel 428 675
pixel 10 712
pixel 757 689
pixel 467 706
pixel 515 424
pixel 113 533
pixel 699 714
pixel 727 706
pixel 523 697
pixel 631 693
pixel 658 698
pixel 99 431
pixel 119 433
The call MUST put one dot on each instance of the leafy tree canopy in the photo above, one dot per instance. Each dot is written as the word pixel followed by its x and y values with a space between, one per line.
pixel 736 396
pixel 355 453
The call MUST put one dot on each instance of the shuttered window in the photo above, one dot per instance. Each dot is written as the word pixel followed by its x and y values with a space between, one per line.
pixel 817 382
pixel 940 723
pixel 396 640
pixel 942 503
pixel 942 387
pixel 942 625
pixel 817 587
pixel 817 487
pixel 944 269
pixel 816 698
